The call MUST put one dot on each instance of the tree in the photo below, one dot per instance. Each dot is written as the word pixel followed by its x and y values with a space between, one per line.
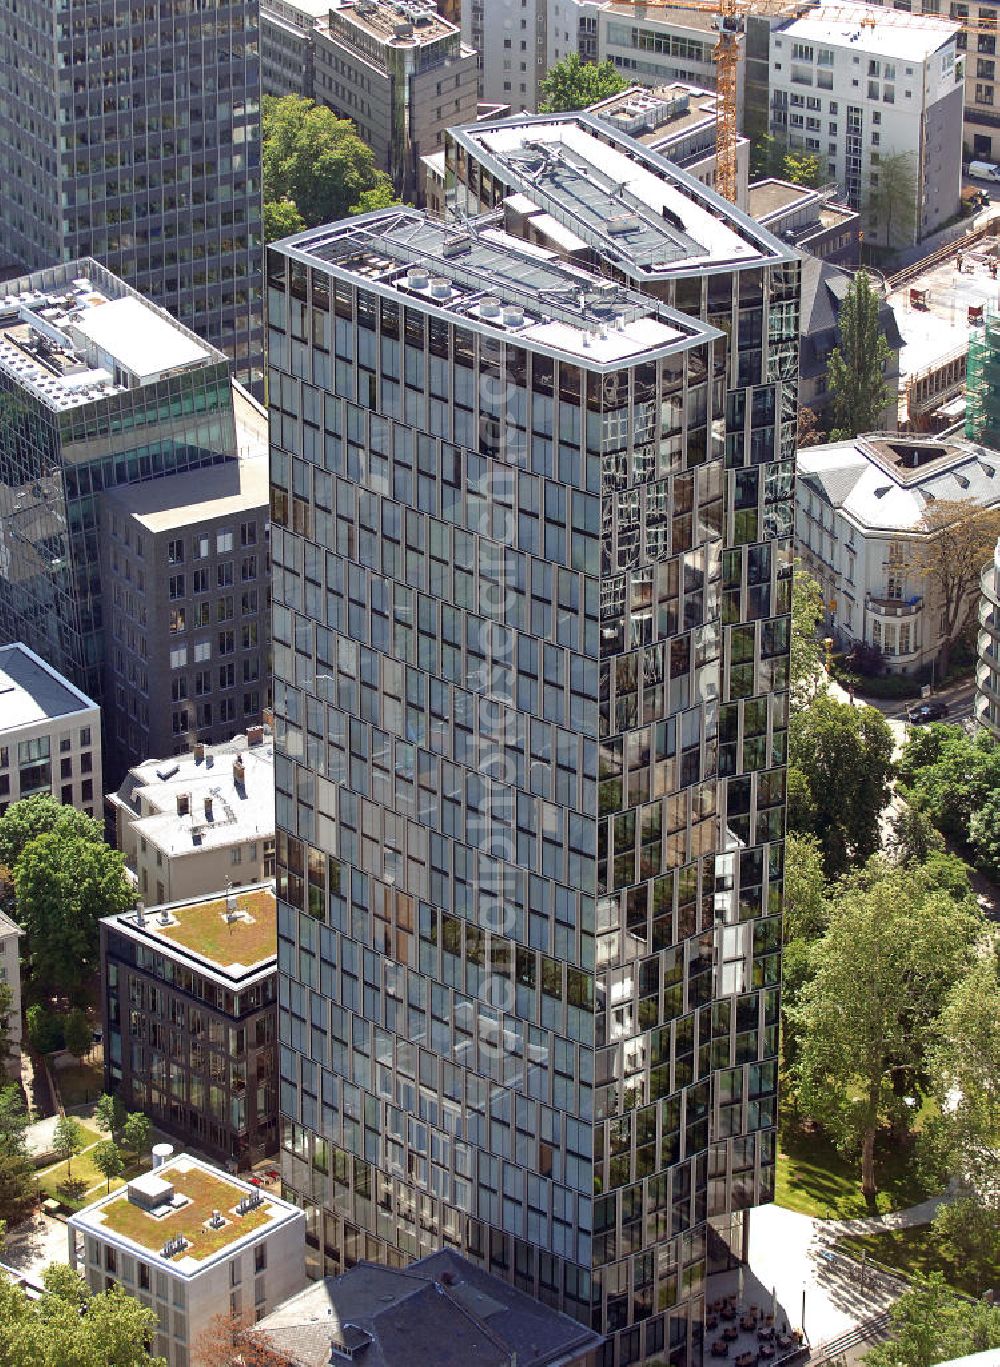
pixel 958 540
pixel 807 677
pixel 841 758
pixel 64 886
pixel 110 1115
pixel 574 84
pixel 108 1160
pixel 913 835
pixel 315 162
pixel 68 1140
pixel 893 951
pixel 856 370
pixel 281 219
pixel 801 168
pixel 77 1033
pixel 950 776
pixel 810 431
pixel 805 907
pixel 984 836
pixel 26 820
pixel 964 1066
pixel 6 1007
pixel 17 1172
pixel 138 1133
pixel 891 203
pixel 967 1235
pixel 43 1028
pixel 930 1323
pixel 229 1338
pixel 69 1326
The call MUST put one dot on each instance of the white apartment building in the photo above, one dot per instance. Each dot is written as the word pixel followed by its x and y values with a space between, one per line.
pixel 193 1243
pixel 10 973
pixel 516 42
pixel 189 824
pixel 857 85
pixel 858 511
pixel 50 734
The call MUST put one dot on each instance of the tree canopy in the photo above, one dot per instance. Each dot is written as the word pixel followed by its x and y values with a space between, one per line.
pixel 954 780
pixel 840 768
pixel 891 200
pixel 930 1324
pixel 26 820
pixel 574 84
pixel 17 1171
pixel 894 949
pixel 959 537
pixel 65 884
pixel 806 674
pixel 69 1326
pixel 315 167
pixel 856 370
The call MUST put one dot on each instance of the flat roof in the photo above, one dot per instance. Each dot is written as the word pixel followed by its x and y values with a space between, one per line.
pixel 237 812
pixel 872 29
pixel 60 327
pixel 658 116
pixel 666 17
pixel 139 340
pixel 234 933
pixel 477 274
pixel 772 196
pixel 630 203
pixel 396 23
pixel 940 329
pixel 198 1190
pixel 194 496
pixel 32 691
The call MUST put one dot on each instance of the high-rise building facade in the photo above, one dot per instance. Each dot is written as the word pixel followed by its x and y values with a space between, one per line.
pixel 132 134
pixel 97 389
pixel 532 574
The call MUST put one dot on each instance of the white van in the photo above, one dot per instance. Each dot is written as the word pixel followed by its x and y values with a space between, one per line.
pixel 984 170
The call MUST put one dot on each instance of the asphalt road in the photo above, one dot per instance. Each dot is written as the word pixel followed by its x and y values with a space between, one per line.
pixel 959 696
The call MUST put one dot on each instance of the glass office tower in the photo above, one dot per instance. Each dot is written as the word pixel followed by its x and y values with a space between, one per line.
pixel 131 133
pixel 531 599
pixel 97 389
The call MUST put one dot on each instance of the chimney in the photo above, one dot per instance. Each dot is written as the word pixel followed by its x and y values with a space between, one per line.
pixel 183 804
pixel 208 808
pixel 239 771
pixel 255 735
pixel 199 752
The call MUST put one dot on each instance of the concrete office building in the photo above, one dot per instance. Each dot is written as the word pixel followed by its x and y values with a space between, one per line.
pixel 679 121
pixel 859 509
pixel 189 1011
pixel 135 139
pixel 860 87
pixel 987 704
pixel 199 543
pixel 192 1243
pixel 98 388
pixel 50 735
pixel 659 46
pixel 190 824
pixel 400 71
pixel 559 690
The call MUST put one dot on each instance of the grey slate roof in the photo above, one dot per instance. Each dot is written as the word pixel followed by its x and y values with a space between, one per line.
pixel 441 1311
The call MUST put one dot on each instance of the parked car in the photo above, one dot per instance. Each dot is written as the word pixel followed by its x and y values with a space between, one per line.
pixel 934 710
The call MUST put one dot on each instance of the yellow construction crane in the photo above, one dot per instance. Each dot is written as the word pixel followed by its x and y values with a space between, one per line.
pixel 728 18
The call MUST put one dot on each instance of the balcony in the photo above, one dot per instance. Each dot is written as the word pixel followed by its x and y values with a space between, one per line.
pixel 894 607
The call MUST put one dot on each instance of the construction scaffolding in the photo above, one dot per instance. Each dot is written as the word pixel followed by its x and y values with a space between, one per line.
pixel 982 381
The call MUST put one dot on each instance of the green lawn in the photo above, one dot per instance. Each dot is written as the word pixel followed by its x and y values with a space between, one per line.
pixel 79 1084
pixel 815 1179
pixel 911 1251
pixel 82 1173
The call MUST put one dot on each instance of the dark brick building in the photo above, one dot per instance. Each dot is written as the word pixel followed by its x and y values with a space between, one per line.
pixel 189 1007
